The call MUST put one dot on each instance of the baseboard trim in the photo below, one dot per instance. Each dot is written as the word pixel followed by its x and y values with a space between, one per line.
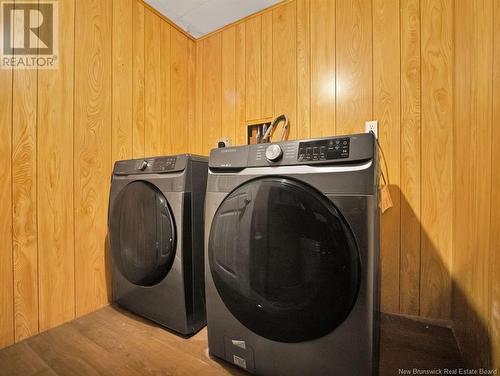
pixel 426 320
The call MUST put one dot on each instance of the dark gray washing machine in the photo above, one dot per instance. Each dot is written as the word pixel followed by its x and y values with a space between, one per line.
pixel 292 256
pixel 156 233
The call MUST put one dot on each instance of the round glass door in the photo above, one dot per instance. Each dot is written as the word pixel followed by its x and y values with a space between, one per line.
pixel 284 260
pixel 142 234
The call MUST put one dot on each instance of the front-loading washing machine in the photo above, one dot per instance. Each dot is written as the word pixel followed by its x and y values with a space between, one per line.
pixel 292 256
pixel 156 234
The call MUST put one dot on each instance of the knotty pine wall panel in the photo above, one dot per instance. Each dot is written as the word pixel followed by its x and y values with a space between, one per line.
pixel 165 89
pixel 266 103
pixel 138 78
pixel 197 142
pixel 6 264
pixel 409 282
pixel 92 154
pixel 495 198
pixel 354 64
pixel 24 203
pixel 191 132
pixel 212 91
pixel 437 150
pixel 303 69
pixel 386 108
pixel 152 45
pixel 322 76
pixel 180 94
pixel 240 72
pixel 56 240
pixel 122 73
pixel 475 295
pixel 228 82
pixel 253 67
pixel 60 132
pixel 284 64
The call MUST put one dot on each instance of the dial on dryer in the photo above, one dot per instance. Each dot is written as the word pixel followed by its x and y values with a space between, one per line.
pixel 143 165
pixel 274 153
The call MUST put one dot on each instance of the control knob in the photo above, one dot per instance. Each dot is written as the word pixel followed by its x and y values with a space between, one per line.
pixel 274 152
pixel 143 165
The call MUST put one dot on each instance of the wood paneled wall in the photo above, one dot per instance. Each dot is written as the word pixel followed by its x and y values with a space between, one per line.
pixel 476 258
pixel 331 65
pixel 494 277
pixel 123 73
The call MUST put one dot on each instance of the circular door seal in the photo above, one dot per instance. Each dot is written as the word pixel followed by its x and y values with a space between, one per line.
pixel 142 234
pixel 283 259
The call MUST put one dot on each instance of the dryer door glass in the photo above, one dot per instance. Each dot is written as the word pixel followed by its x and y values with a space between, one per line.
pixel 142 234
pixel 284 260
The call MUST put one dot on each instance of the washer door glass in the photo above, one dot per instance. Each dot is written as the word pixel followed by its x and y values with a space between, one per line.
pixel 284 260
pixel 142 234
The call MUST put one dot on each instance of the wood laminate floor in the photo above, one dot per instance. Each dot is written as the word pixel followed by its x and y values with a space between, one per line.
pixel 114 342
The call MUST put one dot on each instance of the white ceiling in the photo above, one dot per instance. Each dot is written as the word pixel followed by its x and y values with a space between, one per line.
pixel 200 17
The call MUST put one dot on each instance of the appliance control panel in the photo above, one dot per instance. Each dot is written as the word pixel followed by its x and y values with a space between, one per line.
pixel 324 150
pixel 163 164
pixel 354 148
pixel 157 165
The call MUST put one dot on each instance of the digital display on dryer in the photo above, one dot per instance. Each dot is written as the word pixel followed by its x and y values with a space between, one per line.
pixel 164 164
pixel 323 150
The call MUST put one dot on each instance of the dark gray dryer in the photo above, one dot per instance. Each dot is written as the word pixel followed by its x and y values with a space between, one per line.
pixel 292 255
pixel 156 233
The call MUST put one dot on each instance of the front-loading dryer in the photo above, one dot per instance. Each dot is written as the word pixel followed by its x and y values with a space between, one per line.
pixel 292 256
pixel 156 233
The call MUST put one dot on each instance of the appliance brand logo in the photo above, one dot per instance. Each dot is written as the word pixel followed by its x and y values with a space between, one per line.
pixel 29 34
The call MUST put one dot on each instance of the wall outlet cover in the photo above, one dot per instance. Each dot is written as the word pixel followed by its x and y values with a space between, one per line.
pixel 372 126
